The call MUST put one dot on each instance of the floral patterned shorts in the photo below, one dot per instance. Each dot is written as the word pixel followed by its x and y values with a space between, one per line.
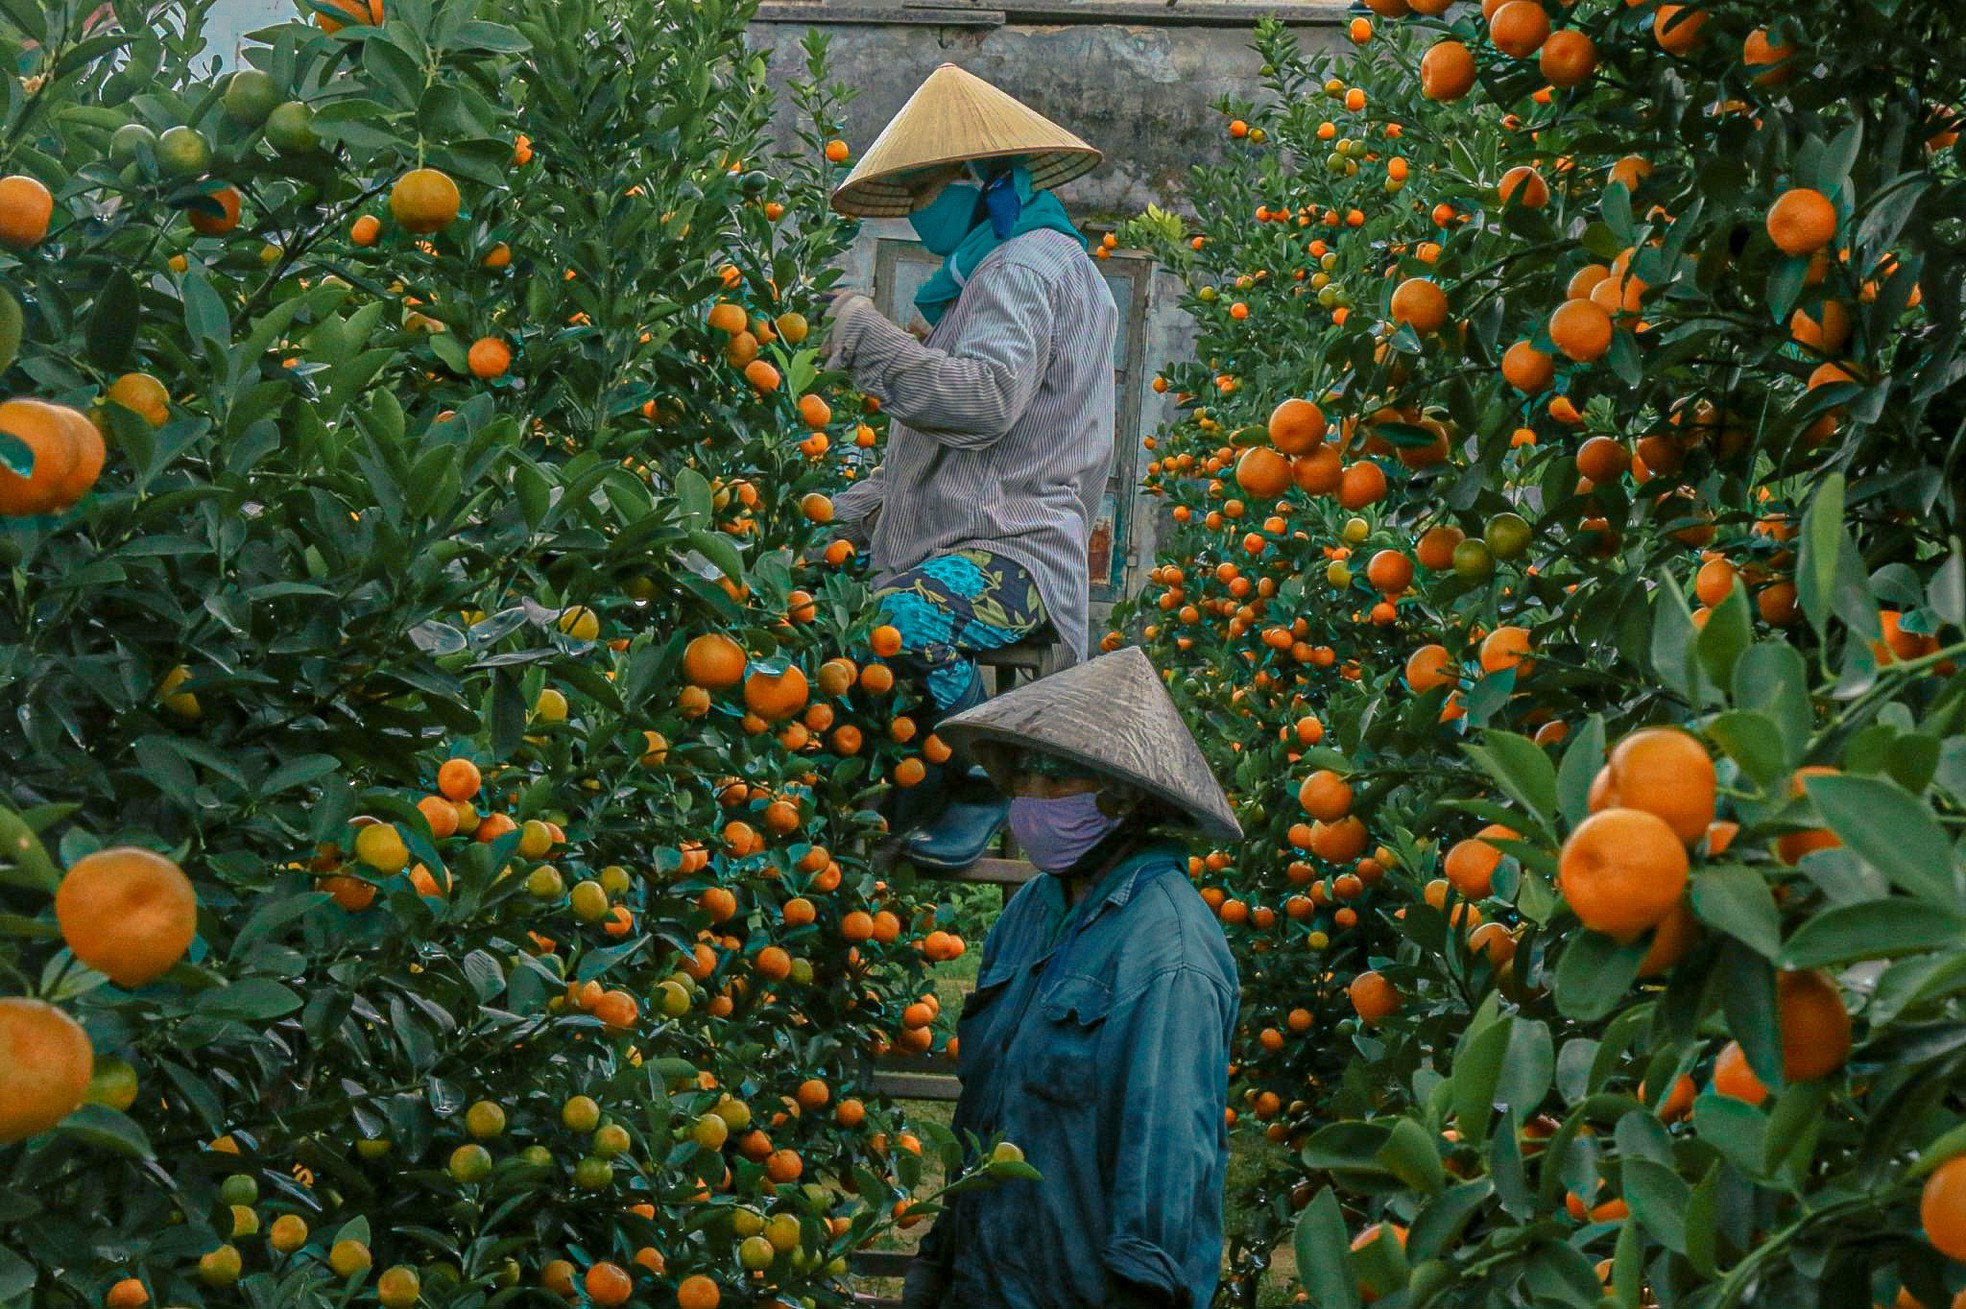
pixel 948 607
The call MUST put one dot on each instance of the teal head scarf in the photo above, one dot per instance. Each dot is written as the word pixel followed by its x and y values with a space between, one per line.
pixel 970 218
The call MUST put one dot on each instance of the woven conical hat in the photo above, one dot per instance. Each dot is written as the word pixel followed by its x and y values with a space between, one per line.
pixel 956 116
pixel 1111 715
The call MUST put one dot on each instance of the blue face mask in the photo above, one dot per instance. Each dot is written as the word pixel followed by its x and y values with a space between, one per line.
pixel 1056 833
pixel 946 220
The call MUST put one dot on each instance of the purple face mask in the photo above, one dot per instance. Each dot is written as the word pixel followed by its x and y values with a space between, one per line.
pixel 1055 833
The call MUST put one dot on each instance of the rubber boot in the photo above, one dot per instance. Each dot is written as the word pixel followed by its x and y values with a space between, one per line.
pixel 963 831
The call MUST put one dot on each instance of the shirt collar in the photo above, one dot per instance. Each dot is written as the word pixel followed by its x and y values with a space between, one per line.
pixel 1116 885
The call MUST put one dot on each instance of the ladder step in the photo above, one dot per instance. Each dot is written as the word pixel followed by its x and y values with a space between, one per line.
pixel 899 1061
pixel 987 872
pixel 882 1263
pixel 918 1086
pixel 1022 655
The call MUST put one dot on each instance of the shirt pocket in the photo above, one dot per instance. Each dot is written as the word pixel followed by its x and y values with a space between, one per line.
pixel 982 1010
pixel 1063 1064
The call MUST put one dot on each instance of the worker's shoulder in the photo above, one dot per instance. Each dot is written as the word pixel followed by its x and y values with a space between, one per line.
pixel 1173 926
pixel 1047 252
pixel 1162 891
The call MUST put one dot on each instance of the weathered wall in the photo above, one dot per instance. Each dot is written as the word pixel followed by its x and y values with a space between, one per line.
pixel 229 21
pixel 1142 94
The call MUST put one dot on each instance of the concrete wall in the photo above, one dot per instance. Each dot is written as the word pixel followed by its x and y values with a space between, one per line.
pixel 1139 91
pixel 1144 94
pixel 229 21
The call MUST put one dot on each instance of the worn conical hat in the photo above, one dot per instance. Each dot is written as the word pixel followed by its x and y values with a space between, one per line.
pixel 956 116
pixel 1111 715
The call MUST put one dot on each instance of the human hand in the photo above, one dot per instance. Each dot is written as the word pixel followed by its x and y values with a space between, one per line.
pixel 843 308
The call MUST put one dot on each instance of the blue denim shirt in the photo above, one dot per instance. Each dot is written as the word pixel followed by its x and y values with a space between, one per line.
pixel 1097 1040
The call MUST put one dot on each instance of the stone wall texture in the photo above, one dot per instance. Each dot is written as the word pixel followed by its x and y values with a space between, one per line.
pixel 1144 93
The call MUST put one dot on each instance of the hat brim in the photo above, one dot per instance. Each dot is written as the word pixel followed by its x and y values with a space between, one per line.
pixel 886 194
pixel 999 749
pixel 954 117
pixel 1111 716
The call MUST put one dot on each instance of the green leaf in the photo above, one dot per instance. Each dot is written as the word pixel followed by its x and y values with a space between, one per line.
pixel 204 313
pixel 1727 635
pixel 107 1129
pixel 1346 1148
pixel 490 38
pixel 1915 981
pixel 1772 678
pixel 15 456
pixel 1879 929
pixel 1477 1070
pixel 1521 768
pixel 1441 1222
pixel 505 712
pixel 534 492
pixel 1892 831
pixel 1822 528
pixel 1830 576
pixel 1657 1197
pixel 113 324
pixel 1733 1127
pixel 1950 1142
pixel 248 998
pixel 718 549
pixel 1672 639
pixel 1747 997
pixel 1527 1067
pixel 1754 741
pixel 1628 1266
pixel 1320 1241
pixel 450 352
pixel 693 498
pixel 270 914
pixel 1945 594
pixel 1594 974
pixel 1410 1155
pixel 1793 1124
pixel 1505 1167
pixel 1581 760
pixel 1737 901
pixel 16 1275
pixel 298 772
pixel 1380 1264
pixel 1702 1212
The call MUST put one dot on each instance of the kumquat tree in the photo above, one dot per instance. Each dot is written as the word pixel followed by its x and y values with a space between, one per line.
pixel 438 735
pixel 1563 557
pixel 442 741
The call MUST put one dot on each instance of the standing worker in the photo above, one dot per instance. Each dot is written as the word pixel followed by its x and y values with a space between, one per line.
pixel 1097 1038
pixel 1001 419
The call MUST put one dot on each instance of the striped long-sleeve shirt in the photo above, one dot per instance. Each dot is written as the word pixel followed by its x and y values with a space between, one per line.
pixel 1001 431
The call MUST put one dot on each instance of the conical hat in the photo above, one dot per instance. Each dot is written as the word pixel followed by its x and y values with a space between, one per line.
pixel 956 116
pixel 1113 716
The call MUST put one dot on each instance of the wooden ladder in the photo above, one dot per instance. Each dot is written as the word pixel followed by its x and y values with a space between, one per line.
pixel 920 1077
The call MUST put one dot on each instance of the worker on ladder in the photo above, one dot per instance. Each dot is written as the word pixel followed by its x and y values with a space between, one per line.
pixel 1000 437
pixel 1097 1038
